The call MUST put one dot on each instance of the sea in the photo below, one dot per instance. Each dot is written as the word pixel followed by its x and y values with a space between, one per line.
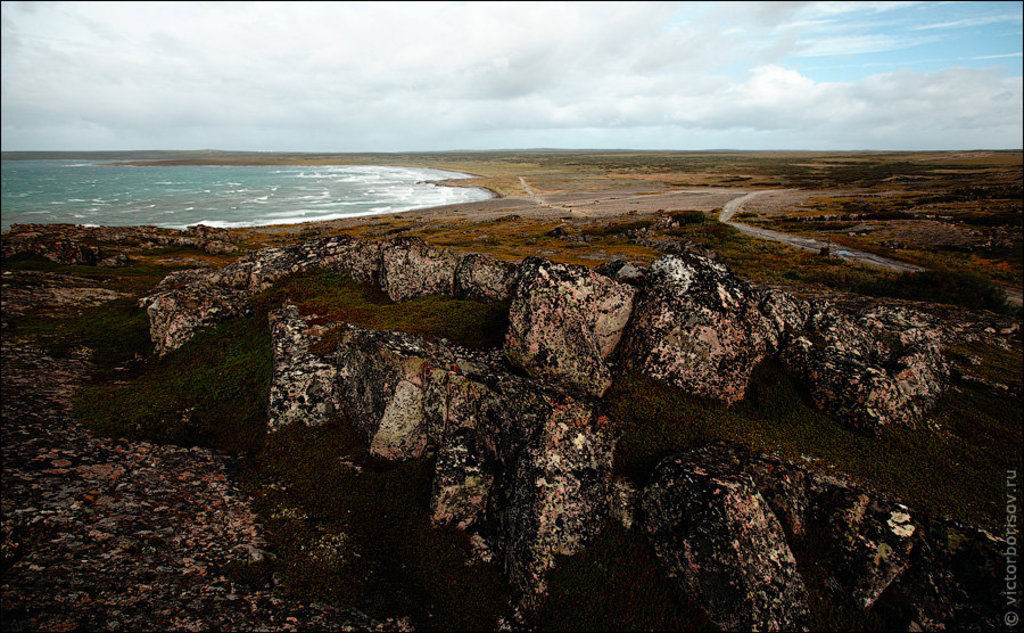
pixel 106 194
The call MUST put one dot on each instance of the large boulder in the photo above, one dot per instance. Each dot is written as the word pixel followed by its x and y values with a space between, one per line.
pixel 381 380
pixel 484 278
pixel 564 321
pixel 409 268
pixel 552 494
pixel 714 532
pixel 865 373
pixel 863 540
pixel 177 312
pixel 528 459
pixel 302 385
pixel 699 327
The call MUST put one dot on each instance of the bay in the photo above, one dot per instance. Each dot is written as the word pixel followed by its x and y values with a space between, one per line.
pixel 103 194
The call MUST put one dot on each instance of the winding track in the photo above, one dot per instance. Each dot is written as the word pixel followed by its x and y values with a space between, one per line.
pixel 734 206
pixel 544 203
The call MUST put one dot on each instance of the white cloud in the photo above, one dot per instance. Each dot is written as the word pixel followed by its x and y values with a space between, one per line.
pixel 347 77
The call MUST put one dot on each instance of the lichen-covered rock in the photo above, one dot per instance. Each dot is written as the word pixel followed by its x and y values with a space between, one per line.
pixel 529 459
pixel 863 540
pixel 552 496
pixel 621 270
pixel 714 532
pixel 865 374
pixel 176 315
pixel 870 539
pixel 484 278
pixel 381 378
pixel 699 327
pixel 187 301
pixel 957 578
pixel 563 321
pixel 302 385
pixel 461 484
pixel 409 268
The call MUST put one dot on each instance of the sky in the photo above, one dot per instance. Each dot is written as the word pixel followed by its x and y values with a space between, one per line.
pixel 353 77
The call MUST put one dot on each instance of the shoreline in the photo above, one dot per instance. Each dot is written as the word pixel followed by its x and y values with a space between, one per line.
pixel 286 222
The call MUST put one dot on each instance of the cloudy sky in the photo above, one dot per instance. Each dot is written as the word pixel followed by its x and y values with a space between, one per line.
pixel 438 76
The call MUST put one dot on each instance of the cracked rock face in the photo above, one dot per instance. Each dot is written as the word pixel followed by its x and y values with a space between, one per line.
pixel 564 321
pixel 409 268
pixel 866 373
pixel 187 301
pixel 713 531
pixel 381 379
pixel 302 386
pixel 699 327
pixel 530 460
pixel 484 278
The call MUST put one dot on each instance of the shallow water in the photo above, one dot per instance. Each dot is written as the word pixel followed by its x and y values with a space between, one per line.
pixel 81 192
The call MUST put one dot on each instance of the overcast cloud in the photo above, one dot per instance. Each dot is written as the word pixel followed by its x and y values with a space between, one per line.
pixel 393 77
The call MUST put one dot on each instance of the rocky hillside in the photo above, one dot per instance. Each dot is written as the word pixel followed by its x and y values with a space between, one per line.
pixel 521 443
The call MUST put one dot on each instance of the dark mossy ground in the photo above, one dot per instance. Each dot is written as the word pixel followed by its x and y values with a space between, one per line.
pixel 354 532
pixel 955 465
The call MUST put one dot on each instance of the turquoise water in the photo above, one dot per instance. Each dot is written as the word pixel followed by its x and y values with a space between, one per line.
pixel 82 192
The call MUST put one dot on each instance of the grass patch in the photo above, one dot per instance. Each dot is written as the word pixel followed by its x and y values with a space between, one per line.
pixel 956 469
pixel 616 584
pixel 212 392
pixel 334 297
pixel 367 542
pixel 114 332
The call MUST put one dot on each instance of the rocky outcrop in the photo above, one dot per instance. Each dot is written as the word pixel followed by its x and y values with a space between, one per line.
pixel 410 268
pixel 528 461
pixel 302 385
pixel 699 327
pixel 564 321
pixel 694 325
pixel 717 536
pixel 861 538
pixel 866 373
pixel 187 301
pixel 61 251
pixel 702 505
pixel 484 278
pixel 74 244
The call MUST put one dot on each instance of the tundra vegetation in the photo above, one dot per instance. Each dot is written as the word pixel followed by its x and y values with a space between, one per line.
pixel 316 487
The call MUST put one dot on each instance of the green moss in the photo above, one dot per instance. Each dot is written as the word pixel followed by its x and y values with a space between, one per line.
pixel 211 392
pixel 616 584
pixel 387 559
pixel 956 466
pixel 333 297
pixel 114 332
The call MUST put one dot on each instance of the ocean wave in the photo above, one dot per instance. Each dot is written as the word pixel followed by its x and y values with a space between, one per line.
pixel 249 197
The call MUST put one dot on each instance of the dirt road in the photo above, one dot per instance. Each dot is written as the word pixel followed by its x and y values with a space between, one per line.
pixel 734 206
pixel 544 203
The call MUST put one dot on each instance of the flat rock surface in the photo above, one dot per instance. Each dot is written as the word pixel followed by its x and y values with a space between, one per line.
pixel 107 534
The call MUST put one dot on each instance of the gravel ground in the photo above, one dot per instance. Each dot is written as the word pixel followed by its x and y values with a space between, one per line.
pixel 107 534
